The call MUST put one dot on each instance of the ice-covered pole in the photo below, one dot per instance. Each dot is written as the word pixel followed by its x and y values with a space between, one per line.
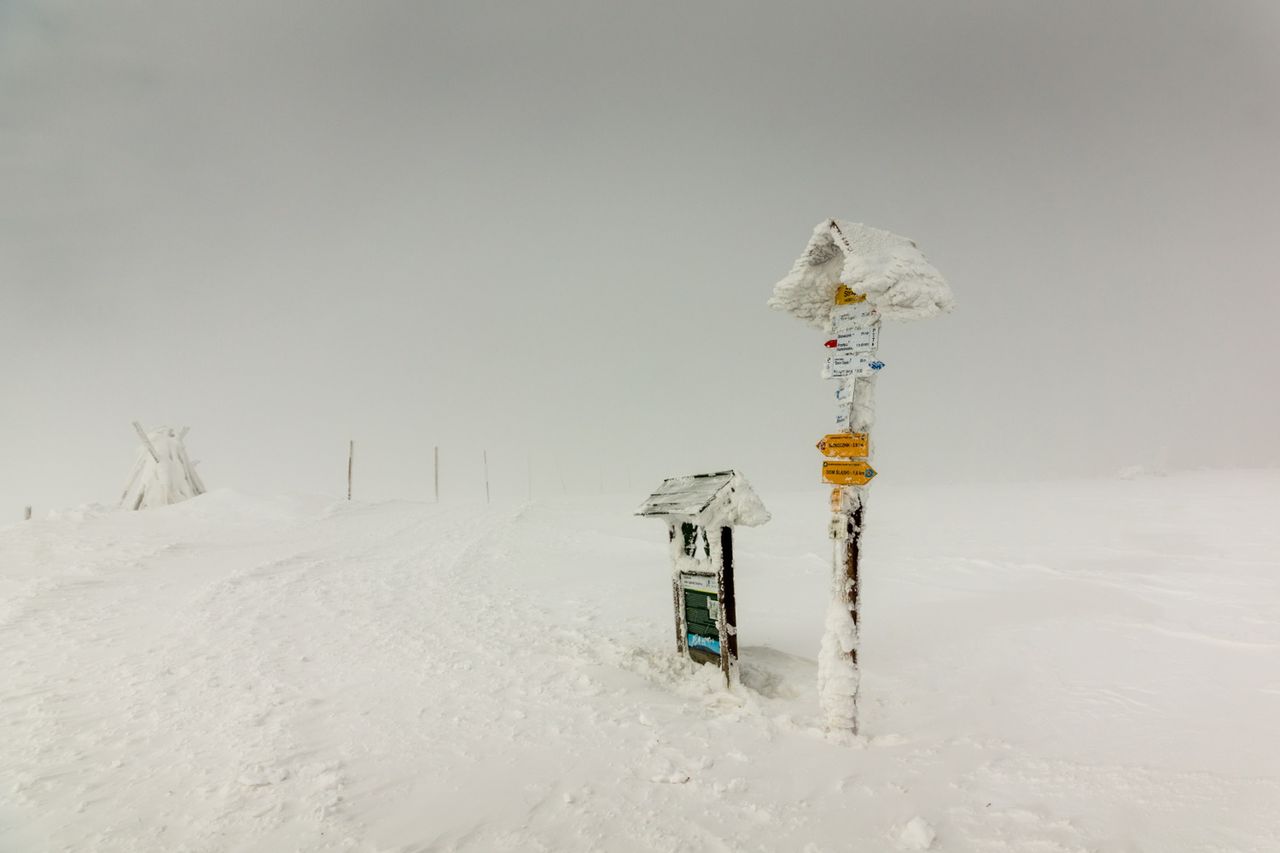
pixel 849 278
pixel 838 674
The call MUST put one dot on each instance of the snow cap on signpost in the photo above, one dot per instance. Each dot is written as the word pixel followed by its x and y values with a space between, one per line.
pixel 891 270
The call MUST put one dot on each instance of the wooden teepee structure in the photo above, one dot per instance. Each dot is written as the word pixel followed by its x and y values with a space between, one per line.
pixel 163 473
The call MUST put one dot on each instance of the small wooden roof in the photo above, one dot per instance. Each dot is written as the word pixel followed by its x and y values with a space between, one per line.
pixel 720 499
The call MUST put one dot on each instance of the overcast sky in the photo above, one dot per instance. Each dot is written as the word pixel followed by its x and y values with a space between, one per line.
pixel 549 229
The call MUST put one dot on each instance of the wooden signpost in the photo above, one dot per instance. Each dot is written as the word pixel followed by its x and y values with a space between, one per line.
pixel 849 278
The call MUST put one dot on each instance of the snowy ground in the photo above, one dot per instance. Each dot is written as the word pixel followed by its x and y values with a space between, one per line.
pixel 1057 667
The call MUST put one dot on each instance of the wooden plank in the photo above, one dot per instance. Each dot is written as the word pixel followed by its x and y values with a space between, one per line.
pixel 146 442
pixel 728 600
pixel 677 598
pixel 728 628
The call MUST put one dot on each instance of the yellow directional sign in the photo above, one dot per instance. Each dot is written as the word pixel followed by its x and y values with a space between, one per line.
pixel 844 445
pixel 844 473
pixel 845 296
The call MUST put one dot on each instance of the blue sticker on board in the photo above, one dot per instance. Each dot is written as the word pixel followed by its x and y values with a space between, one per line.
pixel 703 643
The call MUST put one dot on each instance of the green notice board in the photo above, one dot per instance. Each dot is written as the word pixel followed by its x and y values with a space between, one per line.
pixel 701 615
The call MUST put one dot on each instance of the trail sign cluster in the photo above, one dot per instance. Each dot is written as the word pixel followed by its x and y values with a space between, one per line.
pixel 701 511
pixel 849 279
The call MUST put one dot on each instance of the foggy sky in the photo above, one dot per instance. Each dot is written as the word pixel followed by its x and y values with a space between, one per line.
pixel 549 229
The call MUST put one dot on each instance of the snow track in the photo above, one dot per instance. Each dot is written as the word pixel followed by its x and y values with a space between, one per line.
pixel 239 674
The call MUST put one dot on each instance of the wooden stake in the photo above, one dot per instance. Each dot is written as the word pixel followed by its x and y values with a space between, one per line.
pixel 146 442
pixel 677 595
pixel 853 598
pixel 26 513
pixel 437 469
pixel 728 606
pixel 486 476
pixel 848 587
pixel 351 461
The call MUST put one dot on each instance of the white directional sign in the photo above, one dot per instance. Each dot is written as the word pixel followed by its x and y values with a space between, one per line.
pixel 857 339
pixel 845 317
pixel 851 364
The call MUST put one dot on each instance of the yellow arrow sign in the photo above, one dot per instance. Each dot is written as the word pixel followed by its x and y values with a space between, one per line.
pixel 847 473
pixel 845 296
pixel 844 445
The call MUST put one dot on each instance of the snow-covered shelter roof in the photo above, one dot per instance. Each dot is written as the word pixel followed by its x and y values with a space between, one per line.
pixel 722 499
pixel 891 271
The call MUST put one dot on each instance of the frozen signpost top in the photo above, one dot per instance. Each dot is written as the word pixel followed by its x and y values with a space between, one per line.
pixel 849 278
pixel 893 273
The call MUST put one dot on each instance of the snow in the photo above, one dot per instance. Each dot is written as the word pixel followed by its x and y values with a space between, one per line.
pixel 838 678
pixel 890 270
pixel 916 835
pixel 1069 666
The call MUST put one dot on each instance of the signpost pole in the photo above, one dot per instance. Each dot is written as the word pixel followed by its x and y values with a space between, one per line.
pixel 852 508
pixel 868 275
pixel 351 459
pixel 728 606
pixel 437 473
pixel 856 327
pixel 677 594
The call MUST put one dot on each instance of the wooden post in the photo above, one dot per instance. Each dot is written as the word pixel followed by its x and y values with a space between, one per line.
pixel 437 473
pixel 528 464
pixel 677 596
pixel 26 513
pixel 852 509
pixel 146 442
pixel 728 604
pixel 486 476
pixel 351 461
pixel 728 609
pixel 853 598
